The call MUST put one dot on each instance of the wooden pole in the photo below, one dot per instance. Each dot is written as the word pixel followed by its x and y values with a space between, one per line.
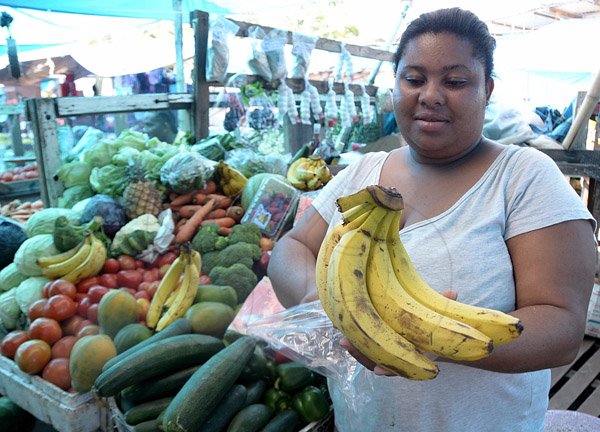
pixel 587 108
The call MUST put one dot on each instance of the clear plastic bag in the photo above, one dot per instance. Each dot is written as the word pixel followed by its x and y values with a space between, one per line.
pixel 273 46
pixel 258 63
pixel 301 50
pixel 163 238
pixel 217 56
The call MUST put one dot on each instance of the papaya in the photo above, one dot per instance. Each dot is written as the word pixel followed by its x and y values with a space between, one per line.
pixel 87 358
pixel 131 335
pixel 217 293
pixel 210 318
pixel 116 309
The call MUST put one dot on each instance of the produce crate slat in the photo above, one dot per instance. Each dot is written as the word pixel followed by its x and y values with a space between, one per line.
pixel 592 404
pixel 559 372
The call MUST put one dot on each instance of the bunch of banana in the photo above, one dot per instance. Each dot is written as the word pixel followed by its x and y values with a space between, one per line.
pixel 84 260
pixel 231 180
pixel 371 291
pixel 176 291
pixel 308 173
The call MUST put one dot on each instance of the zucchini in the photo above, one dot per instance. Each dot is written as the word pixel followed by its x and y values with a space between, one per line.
pixel 256 391
pixel 147 426
pixel 251 418
pixel 203 392
pixel 230 405
pixel 160 358
pixel 179 327
pixel 285 421
pixel 153 389
pixel 146 411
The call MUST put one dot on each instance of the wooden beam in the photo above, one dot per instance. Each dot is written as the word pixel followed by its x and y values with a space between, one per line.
pixel 75 106
pixel 199 20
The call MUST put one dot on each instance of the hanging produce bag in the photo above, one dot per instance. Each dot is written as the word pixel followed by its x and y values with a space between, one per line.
pixel 217 56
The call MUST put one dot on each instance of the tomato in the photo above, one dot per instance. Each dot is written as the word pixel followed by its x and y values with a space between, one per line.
pixel 97 292
pixel 129 278
pixel 84 285
pixel 63 347
pixel 166 258
pixel 84 323
pixel 71 326
pixel 57 373
pixel 142 294
pixel 60 307
pixel 62 286
pixel 37 309
pixel 129 290
pixel 150 275
pixel 162 270
pixel 33 355
pixel 46 329
pixel 80 296
pixel 153 287
pixel 204 280
pixel 111 266
pixel 92 313
pixel 143 306
pixel 12 341
pixel 143 286
pixel 139 264
pixel 83 306
pixel 46 288
pixel 127 262
pixel 108 280
pixel 92 329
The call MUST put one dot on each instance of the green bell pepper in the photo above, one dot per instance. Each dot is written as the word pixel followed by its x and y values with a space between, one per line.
pixel 293 376
pixel 311 404
pixel 277 400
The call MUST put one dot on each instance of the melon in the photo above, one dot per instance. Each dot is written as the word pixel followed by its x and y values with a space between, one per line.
pixel 116 309
pixel 210 318
pixel 130 335
pixel 87 358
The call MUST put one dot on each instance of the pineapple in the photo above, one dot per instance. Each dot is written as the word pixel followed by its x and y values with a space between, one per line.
pixel 140 196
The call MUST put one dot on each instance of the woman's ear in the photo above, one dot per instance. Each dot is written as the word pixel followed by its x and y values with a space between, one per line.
pixel 489 88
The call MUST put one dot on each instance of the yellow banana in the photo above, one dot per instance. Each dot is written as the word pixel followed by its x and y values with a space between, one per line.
pixel 428 330
pixel 74 260
pixel 165 287
pixel 355 315
pixel 171 298
pixel 353 219
pixel 382 196
pixel 231 180
pixel 185 295
pixel 92 264
pixel 59 258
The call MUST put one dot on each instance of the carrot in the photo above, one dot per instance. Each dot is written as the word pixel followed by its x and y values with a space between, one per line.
pixel 187 211
pixel 187 231
pixel 226 222
pixel 217 213
pixel 222 201
pixel 210 188
pixel 224 231
pixel 235 212
pixel 199 198
pixel 180 223
pixel 183 199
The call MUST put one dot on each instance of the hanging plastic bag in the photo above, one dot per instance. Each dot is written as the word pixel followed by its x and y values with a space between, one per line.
pixel 273 46
pixel 365 105
pixel 230 97
pixel 286 103
pixel 348 111
pixel 258 63
pixel 344 65
pixel 331 110
pixel 162 241
pixel 302 47
pixel 217 56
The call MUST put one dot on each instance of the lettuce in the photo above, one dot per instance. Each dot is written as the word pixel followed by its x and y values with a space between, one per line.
pixel 109 180
pixel 74 173
pixel 101 154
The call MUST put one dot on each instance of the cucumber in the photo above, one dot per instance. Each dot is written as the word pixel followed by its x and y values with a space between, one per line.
pixel 230 405
pixel 251 418
pixel 179 327
pixel 147 426
pixel 203 392
pixel 285 421
pixel 158 388
pixel 256 391
pixel 163 357
pixel 146 411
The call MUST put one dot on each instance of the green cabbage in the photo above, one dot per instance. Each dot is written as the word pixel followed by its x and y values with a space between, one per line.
pixel 133 139
pixel 109 180
pixel 75 194
pixel 10 277
pixel 31 249
pixel 74 173
pixel 30 290
pixel 42 222
pixel 9 310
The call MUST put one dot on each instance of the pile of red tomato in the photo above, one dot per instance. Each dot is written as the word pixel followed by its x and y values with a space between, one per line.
pixel 20 173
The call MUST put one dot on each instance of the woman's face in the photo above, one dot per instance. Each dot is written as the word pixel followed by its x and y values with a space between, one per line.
pixel 440 97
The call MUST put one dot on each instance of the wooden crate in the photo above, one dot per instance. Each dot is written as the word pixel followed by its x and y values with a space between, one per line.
pixel 576 386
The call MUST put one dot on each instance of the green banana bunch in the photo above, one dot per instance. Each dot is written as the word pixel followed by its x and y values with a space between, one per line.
pixel 308 173
pixel 231 180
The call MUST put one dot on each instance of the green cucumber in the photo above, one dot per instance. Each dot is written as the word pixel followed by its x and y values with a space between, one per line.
pixel 147 426
pixel 203 392
pixel 285 421
pixel 256 391
pixel 163 357
pixel 179 327
pixel 146 411
pixel 230 405
pixel 251 418
pixel 153 389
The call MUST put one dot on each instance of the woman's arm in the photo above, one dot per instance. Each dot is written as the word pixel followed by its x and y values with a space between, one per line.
pixel 292 263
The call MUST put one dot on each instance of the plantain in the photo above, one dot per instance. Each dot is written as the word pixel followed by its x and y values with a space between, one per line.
pixel 231 180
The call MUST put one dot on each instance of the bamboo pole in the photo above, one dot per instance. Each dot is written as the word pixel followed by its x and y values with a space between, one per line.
pixel 585 111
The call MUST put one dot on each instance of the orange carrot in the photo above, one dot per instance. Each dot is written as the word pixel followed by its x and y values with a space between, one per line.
pixel 217 213
pixel 211 187
pixel 187 231
pixel 183 199
pixel 235 212
pixel 222 201
pixel 226 222
pixel 187 211
pixel 224 231
pixel 199 198
pixel 180 223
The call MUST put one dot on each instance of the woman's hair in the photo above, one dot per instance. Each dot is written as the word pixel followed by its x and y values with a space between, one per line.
pixel 169 118
pixel 462 23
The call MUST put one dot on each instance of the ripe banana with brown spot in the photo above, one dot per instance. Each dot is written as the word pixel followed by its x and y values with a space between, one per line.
pixel 427 329
pixel 354 314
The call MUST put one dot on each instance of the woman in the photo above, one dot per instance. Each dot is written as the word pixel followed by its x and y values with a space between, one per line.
pixel 496 225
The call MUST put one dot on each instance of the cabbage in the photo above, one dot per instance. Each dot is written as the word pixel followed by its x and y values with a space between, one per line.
pixel 111 211
pixel 30 290
pixel 10 277
pixel 73 195
pixel 133 139
pixel 9 310
pixel 31 249
pixel 12 235
pixel 80 205
pixel 109 180
pixel 74 173
pixel 100 154
pixel 42 222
